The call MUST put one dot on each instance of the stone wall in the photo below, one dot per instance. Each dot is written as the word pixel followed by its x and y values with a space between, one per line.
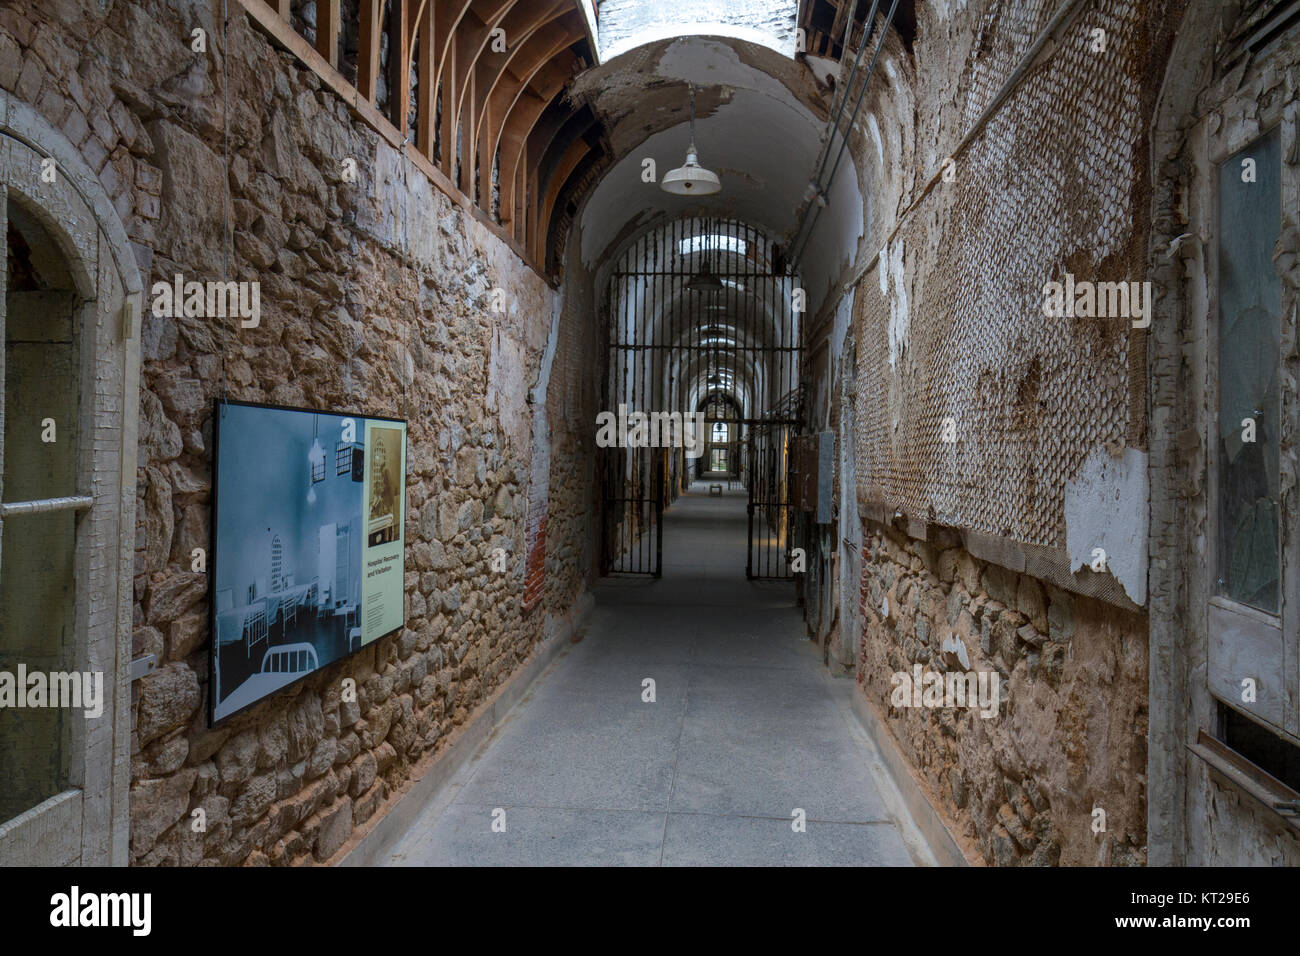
pixel 573 402
pixel 975 416
pixel 374 298
pixel 1068 736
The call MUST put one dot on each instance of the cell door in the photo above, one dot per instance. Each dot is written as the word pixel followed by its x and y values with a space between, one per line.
pixel 771 507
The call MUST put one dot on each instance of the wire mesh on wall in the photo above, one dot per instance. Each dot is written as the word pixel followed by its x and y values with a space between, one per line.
pixel 966 352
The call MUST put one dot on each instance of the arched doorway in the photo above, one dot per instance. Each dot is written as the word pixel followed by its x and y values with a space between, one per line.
pixel 724 426
pixel 68 397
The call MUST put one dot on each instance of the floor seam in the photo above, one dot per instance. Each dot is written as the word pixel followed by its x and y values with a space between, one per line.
pixel 677 756
pixel 719 814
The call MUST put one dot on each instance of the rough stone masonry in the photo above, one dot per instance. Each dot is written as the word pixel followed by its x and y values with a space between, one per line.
pixel 374 298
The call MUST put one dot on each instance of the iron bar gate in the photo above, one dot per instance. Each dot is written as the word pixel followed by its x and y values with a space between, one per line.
pixel 699 311
pixel 771 507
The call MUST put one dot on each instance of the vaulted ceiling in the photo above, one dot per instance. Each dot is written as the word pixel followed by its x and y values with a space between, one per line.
pixel 505 105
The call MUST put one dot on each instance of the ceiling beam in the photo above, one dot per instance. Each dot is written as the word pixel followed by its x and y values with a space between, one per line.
pixel 520 25
pixel 327 31
pixel 548 82
pixel 541 222
pixel 545 44
pixel 368 49
pixel 472 36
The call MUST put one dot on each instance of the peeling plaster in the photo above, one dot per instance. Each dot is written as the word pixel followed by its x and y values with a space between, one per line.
pixel 1106 507
pixel 507 391
pixel 954 646
pixel 708 62
pixel 842 323
pixel 893 282
pixel 823 67
pixel 945 9
pixel 874 128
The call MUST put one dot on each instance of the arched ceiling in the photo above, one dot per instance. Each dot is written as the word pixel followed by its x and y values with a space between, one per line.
pixel 760 119
pixel 500 103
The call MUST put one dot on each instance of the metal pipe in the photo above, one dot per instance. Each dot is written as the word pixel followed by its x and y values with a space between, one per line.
pixel 889 19
pixel 833 126
pixel 802 236
pixel 1064 14
pixel 46 506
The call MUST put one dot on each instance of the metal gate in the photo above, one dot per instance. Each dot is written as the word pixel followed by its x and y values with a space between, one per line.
pixel 771 506
pixel 702 313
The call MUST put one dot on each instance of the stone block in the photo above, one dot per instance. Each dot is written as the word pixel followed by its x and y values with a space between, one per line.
pixel 335 826
pixel 168 698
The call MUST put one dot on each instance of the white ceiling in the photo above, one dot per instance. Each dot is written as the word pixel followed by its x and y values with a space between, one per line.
pixel 760 117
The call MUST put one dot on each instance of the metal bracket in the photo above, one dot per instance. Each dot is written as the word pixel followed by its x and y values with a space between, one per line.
pixel 143 666
pixel 130 318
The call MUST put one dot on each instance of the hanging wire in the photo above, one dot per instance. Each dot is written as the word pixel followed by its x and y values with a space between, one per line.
pixel 691 86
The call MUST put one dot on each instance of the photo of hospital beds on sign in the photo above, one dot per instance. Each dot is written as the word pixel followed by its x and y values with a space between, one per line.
pixel 252 626
pixel 281 665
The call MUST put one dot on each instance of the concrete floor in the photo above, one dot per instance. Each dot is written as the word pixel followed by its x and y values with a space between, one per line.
pixel 746 727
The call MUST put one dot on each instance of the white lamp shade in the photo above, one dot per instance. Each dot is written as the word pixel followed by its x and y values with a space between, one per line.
pixel 691 179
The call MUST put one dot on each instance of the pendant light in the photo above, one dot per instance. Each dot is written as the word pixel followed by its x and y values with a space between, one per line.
pixel 705 280
pixel 691 179
pixel 315 457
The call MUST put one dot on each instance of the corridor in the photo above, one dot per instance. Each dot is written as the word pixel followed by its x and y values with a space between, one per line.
pixel 746 726
pixel 365 368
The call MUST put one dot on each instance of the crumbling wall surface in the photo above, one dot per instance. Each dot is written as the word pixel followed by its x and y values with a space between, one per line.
pixel 377 296
pixel 1054 774
pixel 573 400
pixel 1232 829
pixel 987 429
pixel 1055 183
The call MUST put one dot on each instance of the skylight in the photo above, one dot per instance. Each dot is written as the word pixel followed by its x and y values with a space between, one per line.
pixel 713 243
pixel 625 24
